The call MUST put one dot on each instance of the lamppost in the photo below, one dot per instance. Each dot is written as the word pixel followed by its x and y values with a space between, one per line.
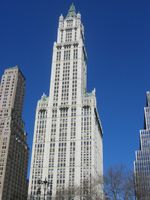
pixel 45 184
pixel 38 193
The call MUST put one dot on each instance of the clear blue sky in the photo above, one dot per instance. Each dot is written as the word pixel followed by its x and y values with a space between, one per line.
pixel 118 45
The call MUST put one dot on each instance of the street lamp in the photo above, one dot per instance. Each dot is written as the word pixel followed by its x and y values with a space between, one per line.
pixel 45 184
pixel 38 193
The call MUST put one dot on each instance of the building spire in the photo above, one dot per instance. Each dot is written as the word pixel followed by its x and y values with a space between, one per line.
pixel 72 11
pixel 148 98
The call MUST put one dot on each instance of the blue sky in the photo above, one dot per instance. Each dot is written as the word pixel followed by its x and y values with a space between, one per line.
pixel 118 45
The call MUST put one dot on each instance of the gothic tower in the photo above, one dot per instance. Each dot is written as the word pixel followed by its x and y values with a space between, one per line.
pixel 72 152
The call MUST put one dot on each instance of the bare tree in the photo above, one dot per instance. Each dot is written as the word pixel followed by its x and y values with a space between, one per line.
pixel 88 190
pixel 67 193
pixel 91 189
pixel 129 186
pixel 113 182
pixel 119 183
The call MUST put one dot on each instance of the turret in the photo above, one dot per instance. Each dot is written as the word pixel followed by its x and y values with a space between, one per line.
pixel 71 11
pixel 61 21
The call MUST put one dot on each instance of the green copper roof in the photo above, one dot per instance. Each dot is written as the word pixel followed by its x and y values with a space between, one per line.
pixel 71 11
pixel 44 97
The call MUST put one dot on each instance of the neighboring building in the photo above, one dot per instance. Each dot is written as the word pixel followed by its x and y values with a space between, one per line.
pixel 142 162
pixel 67 150
pixel 13 146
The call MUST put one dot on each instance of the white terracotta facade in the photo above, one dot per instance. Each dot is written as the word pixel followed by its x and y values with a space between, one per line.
pixel 67 146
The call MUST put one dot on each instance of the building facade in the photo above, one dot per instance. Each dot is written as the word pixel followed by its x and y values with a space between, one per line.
pixel 142 162
pixel 67 148
pixel 38 149
pixel 13 146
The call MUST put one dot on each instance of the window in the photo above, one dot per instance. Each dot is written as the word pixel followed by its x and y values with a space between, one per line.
pixel 69 23
pixel 58 56
pixel 75 54
pixel 68 35
pixel 67 55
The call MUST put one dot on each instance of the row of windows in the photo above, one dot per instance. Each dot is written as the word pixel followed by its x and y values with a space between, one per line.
pixel 67 55
pixel 68 34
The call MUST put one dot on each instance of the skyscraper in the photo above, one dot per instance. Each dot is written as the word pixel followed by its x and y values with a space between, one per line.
pixel 142 162
pixel 13 146
pixel 67 146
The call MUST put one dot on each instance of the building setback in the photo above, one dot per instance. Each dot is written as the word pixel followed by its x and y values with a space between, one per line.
pixel 13 146
pixel 142 162
pixel 67 145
